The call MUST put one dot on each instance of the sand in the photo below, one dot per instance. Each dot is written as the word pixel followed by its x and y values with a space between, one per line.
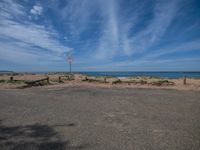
pixel 191 83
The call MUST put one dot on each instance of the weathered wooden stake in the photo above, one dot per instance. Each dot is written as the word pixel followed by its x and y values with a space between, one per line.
pixel 59 78
pixel 184 80
pixel 48 80
pixel 105 79
pixel 11 78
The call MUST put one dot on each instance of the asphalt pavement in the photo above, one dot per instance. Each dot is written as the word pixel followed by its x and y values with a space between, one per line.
pixel 99 119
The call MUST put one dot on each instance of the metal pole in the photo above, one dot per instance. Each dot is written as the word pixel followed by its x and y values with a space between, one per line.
pixel 69 58
pixel 70 67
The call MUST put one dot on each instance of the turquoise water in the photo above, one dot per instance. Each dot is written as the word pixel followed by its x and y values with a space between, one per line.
pixel 153 74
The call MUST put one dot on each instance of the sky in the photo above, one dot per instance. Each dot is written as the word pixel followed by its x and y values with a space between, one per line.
pixel 100 35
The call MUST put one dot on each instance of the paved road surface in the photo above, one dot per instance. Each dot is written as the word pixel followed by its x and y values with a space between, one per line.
pixel 99 119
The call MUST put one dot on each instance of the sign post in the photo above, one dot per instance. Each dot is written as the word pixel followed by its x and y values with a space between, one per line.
pixel 69 58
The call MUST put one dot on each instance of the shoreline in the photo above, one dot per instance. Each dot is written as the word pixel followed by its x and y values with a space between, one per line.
pixel 119 74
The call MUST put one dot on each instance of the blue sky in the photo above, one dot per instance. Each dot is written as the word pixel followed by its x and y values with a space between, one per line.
pixel 101 35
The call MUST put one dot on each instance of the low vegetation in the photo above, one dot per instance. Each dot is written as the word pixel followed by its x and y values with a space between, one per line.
pixel 12 81
pixel 162 82
pixel 95 80
pixel 142 82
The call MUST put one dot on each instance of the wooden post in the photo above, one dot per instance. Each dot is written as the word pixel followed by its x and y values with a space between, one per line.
pixel 105 79
pixel 48 80
pixel 59 79
pixel 184 80
pixel 11 78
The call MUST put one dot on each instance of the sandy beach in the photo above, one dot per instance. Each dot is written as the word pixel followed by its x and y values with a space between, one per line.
pixel 91 81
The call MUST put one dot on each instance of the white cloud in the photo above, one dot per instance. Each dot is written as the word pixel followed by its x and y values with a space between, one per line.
pixel 183 47
pixel 116 41
pixel 164 13
pixel 77 15
pixel 154 58
pixel 27 40
pixel 23 53
pixel 10 9
pixel 109 41
pixel 37 35
pixel 102 29
pixel 36 10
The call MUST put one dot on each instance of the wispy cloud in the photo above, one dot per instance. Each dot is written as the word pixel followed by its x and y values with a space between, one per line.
pixel 109 41
pixel 27 36
pixel 76 15
pixel 163 14
pixel 181 48
pixel 100 32
pixel 10 9
pixel 23 53
pixel 116 39
pixel 36 10
pixel 36 35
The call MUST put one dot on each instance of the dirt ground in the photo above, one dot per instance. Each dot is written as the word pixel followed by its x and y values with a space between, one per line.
pixel 99 119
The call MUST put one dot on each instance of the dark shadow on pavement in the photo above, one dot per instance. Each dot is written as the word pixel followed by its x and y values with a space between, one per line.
pixel 34 137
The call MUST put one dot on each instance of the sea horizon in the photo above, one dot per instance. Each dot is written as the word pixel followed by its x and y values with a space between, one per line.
pixel 160 74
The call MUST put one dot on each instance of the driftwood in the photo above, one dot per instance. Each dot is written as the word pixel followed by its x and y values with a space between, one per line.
pixel 95 80
pixel 129 82
pixel 117 81
pixel 68 78
pixel 37 82
pixel 59 79
pixel 162 82
pixel 142 82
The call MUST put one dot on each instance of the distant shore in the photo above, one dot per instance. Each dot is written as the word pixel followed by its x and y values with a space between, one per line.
pixel 27 80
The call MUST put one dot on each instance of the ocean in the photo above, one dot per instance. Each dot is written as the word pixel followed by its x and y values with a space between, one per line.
pixel 172 75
